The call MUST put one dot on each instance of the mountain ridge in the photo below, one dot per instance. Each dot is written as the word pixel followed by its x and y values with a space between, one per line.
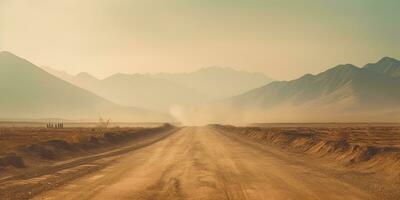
pixel 28 91
pixel 181 89
pixel 387 65
pixel 342 90
pixel 332 79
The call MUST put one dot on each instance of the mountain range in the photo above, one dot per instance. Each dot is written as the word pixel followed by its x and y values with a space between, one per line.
pixel 28 92
pixel 345 91
pixel 218 82
pixel 163 91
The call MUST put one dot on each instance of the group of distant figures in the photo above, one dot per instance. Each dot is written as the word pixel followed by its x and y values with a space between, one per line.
pixel 55 125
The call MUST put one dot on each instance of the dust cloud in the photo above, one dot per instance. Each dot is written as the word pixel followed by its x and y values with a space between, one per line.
pixel 228 114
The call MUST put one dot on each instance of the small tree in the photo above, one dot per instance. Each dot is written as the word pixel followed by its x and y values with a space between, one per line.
pixel 103 124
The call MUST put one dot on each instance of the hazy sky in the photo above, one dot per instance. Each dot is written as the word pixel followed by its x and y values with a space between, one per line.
pixel 281 38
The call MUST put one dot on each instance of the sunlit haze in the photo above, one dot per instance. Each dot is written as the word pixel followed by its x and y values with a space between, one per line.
pixel 200 99
pixel 282 39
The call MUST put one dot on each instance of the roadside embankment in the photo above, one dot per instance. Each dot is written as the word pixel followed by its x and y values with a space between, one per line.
pixel 349 148
pixel 32 148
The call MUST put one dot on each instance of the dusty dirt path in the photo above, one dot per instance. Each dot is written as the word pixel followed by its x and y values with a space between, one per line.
pixel 201 163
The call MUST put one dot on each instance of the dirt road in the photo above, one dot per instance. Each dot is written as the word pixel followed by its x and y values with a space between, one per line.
pixel 202 163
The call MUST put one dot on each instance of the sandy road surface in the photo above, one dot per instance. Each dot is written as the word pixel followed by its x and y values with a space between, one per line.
pixel 202 163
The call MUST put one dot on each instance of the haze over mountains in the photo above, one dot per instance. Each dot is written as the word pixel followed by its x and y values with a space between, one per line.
pixel 28 92
pixel 164 91
pixel 343 93
pixel 344 84
pixel 218 82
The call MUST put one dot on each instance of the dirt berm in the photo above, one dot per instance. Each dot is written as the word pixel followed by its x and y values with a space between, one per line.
pixel 369 158
pixel 58 149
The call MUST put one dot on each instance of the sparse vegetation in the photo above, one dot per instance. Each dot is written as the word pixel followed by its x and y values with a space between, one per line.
pixel 103 125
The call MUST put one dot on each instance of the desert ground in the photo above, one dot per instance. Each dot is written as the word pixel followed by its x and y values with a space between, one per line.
pixel 275 161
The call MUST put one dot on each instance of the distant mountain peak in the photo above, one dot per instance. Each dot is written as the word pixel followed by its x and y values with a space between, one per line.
pixel 7 53
pixel 384 62
pixel 85 75
pixel 386 65
pixel 342 69
pixel 346 67
pixel 14 62
pixel 388 60
pixel 307 76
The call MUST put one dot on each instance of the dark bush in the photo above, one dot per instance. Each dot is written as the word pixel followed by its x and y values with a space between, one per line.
pixel 12 160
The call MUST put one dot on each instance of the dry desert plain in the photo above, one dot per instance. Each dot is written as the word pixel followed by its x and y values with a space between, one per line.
pixel 261 161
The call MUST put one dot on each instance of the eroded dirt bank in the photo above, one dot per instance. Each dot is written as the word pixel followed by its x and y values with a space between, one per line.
pixel 372 153
pixel 49 164
pixel 207 163
pixel 375 149
pixel 24 147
